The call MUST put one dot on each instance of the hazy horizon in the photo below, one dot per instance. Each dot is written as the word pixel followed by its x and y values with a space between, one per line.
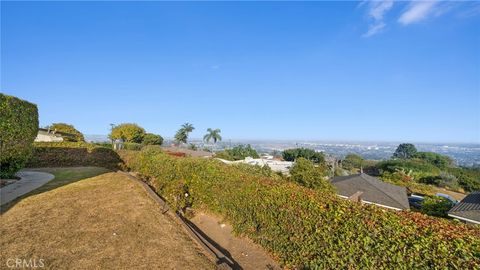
pixel 171 138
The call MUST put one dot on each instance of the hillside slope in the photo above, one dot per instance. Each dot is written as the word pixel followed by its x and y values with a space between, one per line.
pixel 104 222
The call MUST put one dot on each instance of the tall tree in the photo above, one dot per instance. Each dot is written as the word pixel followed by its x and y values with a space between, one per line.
pixel 128 132
pixel 212 134
pixel 405 151
pixel 182 134
pixel 187 127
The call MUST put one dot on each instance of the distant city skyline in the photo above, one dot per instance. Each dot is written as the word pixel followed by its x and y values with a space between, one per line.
pixel 465 154
pixel 326 71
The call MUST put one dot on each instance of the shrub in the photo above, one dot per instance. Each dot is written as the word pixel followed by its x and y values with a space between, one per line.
pixel 104 144
pixel 264 171
pixel 448 180
pixel 72 134
pixel 468 178
pixel 436 206
pixel 18 129
pixel 435 159
pixel 192 146
pixel 444 180
pixel 132 146
pixel 312 155
pixel 307 174
pixel 305 228
pixel 152 139
pixel 352 161
pixel 415 168
pixel 400 178
pixel 65 154
pixel 424 171
pixel 128 132
pixel 238 153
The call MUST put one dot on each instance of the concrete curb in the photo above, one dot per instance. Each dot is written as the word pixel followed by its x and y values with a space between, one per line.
pixel 29 180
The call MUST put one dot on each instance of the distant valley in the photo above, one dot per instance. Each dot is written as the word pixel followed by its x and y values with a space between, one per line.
pixel 464 154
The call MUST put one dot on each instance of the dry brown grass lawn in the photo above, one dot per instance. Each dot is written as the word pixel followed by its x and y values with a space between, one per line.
pixel 104 222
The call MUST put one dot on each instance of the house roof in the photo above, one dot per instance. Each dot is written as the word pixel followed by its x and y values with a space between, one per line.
pixel 468 208
pixel 374 190
pixel 192 153
pixel 54 133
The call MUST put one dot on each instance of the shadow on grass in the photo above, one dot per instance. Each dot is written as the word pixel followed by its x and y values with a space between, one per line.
pixel 63 176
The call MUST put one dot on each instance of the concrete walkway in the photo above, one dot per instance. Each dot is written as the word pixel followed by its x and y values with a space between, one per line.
pixel 29 181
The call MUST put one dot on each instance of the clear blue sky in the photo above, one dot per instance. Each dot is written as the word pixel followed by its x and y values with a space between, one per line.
pixel 385 70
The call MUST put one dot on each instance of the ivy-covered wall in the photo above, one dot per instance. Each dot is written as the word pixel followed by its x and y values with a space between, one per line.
pixel 18 129
pixel 305 228
pixel 66 154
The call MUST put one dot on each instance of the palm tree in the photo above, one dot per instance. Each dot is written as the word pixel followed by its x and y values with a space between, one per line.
pixel 182 134
pixel 187 127
pixel 213 134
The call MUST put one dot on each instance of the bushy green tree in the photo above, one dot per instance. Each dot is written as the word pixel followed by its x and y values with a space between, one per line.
pixel 73 135
pixel 312 155
pixel 152 139
pixel 307 174
pixel 405 151
pixel 128 132
pixel 238 152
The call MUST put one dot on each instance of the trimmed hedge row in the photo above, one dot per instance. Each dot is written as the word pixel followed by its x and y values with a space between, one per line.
pixel 63 154
pixel 18 129
pixel 305 228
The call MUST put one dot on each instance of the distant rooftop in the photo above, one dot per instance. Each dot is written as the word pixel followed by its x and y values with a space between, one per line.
pixel 188 152
pixel 373 190
pixel 468 209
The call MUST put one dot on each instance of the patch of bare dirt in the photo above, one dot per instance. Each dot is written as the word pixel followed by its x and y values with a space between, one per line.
pixel 246 253
pixel 104 222
pixel 456 195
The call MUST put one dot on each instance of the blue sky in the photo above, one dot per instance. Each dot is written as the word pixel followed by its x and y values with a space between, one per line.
pixel 389 71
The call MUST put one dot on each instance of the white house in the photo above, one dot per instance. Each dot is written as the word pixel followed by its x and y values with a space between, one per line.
pixel 47 135
pixel 275 165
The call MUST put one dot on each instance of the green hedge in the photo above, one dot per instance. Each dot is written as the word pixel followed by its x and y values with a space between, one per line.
pixel 305 228
pixel 416 167
pixel 132 146
pixel 310 154
pixel 18 129
pixel 468 178
pixel 63 154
